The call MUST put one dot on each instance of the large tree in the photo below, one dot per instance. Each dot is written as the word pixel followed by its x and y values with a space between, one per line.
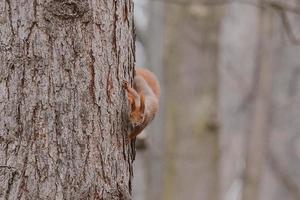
pixel 63 121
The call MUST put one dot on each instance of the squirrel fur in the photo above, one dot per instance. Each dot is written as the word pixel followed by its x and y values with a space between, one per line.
pixel 143 98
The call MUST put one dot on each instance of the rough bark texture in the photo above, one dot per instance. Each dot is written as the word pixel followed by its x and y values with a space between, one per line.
pixel 63 112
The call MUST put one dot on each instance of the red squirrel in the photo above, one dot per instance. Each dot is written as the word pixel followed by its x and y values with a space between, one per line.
pixel 143 99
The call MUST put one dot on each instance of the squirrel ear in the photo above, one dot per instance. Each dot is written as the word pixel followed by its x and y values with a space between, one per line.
pixel 133 105
pixel 142 103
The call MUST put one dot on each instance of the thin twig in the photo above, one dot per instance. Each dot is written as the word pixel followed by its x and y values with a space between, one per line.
pixel 288 27
pixel 286 7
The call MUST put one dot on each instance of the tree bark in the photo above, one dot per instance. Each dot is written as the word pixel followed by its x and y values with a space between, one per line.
pixel 63 127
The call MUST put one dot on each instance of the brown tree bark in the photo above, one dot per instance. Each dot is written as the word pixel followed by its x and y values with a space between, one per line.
pixel 63 121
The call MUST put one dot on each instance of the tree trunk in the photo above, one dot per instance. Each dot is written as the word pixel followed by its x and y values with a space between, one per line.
pixel 260 125
pixel 192 164
pixel 237 82
pixel 63 127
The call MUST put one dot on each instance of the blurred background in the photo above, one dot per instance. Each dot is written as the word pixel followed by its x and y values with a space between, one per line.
pixel 229 121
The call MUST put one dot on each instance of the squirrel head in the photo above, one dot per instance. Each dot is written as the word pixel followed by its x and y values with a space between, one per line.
pixel 137 116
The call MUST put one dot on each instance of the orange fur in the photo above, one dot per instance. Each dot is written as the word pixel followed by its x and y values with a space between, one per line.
pixel 150 78
pixel 143 98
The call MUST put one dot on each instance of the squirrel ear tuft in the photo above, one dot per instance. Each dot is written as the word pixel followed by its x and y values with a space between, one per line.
pixel 133 105
pixel 142 103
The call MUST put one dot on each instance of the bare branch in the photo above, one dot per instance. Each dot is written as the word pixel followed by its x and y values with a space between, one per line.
pixel 286 7
pixel 288 27
pixel 283 177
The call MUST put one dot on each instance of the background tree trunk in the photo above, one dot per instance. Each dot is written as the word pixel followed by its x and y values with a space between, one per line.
pixel 257 146
pixel 62 108
pixel 191 77
pixel 148 180
pixel 259 101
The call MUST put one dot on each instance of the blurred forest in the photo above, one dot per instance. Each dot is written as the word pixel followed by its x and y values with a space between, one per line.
pixel 228 126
